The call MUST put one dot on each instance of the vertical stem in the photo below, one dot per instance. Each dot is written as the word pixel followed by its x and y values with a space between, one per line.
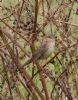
pixel 32 48
pixel 43 82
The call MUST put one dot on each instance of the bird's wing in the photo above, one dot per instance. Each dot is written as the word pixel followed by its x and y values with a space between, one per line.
pixel 37 54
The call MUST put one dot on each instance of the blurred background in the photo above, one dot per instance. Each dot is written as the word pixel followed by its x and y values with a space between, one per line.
pixel 23 25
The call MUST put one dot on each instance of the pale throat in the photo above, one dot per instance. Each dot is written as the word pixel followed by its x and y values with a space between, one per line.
pixel 51 46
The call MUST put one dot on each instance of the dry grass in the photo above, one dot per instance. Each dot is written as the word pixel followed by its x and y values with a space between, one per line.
pixel 23 24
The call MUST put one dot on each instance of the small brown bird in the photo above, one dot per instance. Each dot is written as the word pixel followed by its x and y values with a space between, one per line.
pixel 45 50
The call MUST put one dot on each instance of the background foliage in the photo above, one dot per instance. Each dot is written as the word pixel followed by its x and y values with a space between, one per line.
pixel 23 24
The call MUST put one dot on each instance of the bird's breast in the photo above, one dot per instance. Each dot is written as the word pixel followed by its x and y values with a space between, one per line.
pixel 51 47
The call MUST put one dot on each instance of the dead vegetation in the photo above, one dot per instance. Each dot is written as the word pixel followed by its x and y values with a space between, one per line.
pixel 23 23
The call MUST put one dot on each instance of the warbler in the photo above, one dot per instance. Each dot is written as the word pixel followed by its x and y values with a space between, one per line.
pixel 44 51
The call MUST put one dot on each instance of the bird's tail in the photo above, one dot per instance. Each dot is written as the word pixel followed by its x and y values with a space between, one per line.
pixel 27 62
